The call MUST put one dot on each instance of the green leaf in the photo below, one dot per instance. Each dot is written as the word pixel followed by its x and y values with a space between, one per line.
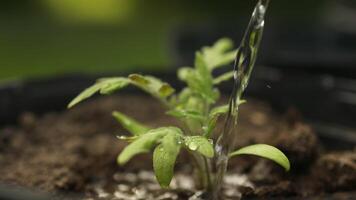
pixel 224 77
pixel 144 143
pixel 219 54
pixel 165 90
pixel 134 127
pixel 209 128
pixel 214 114
pixel 217 111
pixel 200 144
pixel 199 86
pixel 139 80
pixel 184 96
pixel 213 117
pixel 265 151
pixel 223 109
pixel 199 79
pixel 127 138
pixel 202 70
pixel 190 114
pixel 164 158
pixel 105 86
pixel 195 103
pixel 223 44
pixel 84 95
pixel 110 85
pixel 184 73
pixel 152 85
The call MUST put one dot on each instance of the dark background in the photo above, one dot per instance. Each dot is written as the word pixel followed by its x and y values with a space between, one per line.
pixel 51 37
pixel 54 48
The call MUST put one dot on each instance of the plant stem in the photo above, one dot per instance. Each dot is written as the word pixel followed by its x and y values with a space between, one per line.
pixel 208 174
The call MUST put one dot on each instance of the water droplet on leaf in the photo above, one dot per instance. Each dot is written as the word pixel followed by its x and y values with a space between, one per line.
pixel 121 137
pixel 211 141
pixel 193 146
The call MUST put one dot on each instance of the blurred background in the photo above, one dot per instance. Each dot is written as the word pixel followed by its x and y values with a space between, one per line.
pixel 307 58
pixel 51 37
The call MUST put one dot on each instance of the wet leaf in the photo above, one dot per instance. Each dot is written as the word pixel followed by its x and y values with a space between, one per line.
pixel 111 85
pixel 139 80
pixel 152 85
pixel 127 138
pixel 181 113
pixel 165 90
pixel 213 118
pixel 134 127
pixel 214 115
pixel 224 77
pixel 164 158
pixel 145 143
pixel 223 109
pixel 219 110
pixel 105 86
pixel 199 144
pixel 265 151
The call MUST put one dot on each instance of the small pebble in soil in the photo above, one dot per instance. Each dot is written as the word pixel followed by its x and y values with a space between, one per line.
pixel 143 186
pixel 197 196
pixel 123 188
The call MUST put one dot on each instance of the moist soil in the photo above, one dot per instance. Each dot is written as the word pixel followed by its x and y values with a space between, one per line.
pixel 75 151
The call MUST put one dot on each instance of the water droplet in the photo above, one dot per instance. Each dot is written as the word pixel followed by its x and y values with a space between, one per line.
pixel 218 148
pixel 128 138
pixel 121 137
pixel 262 10
pixel 235 75
pixel 211 141
pixel 193 146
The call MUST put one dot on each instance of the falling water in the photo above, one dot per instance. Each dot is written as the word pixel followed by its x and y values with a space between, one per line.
pixel 244 63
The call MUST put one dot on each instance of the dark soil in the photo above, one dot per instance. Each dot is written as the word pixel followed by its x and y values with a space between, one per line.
pixel 75 151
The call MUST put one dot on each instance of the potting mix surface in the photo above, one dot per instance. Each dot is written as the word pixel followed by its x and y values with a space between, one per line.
pixel 75 151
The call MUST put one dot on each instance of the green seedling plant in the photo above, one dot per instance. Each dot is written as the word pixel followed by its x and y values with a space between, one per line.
pixel 195 107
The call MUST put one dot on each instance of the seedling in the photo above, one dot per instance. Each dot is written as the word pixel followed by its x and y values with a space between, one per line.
pixel 195 106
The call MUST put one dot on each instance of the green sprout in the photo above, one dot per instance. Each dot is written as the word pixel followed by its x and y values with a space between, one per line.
pixel 195 106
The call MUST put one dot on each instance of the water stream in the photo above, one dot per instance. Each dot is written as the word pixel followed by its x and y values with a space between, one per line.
pixel 244 63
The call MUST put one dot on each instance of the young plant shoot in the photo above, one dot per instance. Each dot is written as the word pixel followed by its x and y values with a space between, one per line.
pixel 195 106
